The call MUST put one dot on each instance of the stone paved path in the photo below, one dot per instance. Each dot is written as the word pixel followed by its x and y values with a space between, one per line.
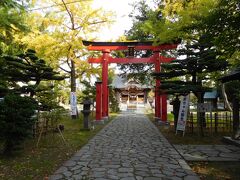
pixel 129 148
pixel 209 152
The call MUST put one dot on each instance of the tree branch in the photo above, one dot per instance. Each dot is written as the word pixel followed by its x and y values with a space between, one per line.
pixel 67 26
pixel 97 22
pixel 64 70
pixel 69 13
pixel 69 48
pixel 68 63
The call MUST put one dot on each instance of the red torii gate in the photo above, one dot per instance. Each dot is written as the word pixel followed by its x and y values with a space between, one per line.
pixel 102 87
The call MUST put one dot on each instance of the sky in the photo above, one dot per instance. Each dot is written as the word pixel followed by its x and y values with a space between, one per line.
pixel 122 9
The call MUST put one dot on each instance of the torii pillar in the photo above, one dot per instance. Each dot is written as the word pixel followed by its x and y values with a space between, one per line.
pixel 157 86
pixel 160 99
pixel 105 58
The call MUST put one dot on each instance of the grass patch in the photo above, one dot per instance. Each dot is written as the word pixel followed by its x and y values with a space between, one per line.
pixel 217 170
pixel 38 163
pixel 189 138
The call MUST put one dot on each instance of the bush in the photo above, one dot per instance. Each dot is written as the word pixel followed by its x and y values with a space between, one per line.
pixel 114 105
pixel 16 121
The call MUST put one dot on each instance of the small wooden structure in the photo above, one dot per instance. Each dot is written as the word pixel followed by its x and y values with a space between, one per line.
pixel 211 97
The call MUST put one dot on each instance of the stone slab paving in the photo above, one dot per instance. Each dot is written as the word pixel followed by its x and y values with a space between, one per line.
pixel 128 148
pixel 229 140
pixel 209 152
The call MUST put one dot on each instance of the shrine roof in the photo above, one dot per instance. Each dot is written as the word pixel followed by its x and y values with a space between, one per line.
pixel 120 82
pixel 211 95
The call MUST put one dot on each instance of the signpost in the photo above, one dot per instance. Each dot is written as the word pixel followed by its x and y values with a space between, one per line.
pixel 183 113
pixel 73 103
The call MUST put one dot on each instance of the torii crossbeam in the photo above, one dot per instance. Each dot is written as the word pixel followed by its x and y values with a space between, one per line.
pixel 105 59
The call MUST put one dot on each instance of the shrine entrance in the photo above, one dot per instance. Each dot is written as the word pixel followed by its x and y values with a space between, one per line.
pixel 132 98
pixel 102 92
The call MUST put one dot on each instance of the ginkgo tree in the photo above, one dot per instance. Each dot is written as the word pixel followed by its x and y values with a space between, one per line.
pixel 12 15
pixel 177 19
pixel 57 34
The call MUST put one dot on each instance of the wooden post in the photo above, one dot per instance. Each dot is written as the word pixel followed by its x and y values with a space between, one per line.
pixel 191 119
pixel 216 122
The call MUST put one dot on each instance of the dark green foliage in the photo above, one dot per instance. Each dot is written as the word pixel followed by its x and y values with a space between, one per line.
pixel 113 102
pixel 222 26
pixel 139 15
pixel 89 92
pixel 194 70
pixel 16 120
pixel 3 83
pixel 199 62
pixel 28 69
pixel 47 97
pixel 233 90
pixel 114 105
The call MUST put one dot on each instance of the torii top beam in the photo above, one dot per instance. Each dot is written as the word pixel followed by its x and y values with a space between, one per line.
pixel 113 46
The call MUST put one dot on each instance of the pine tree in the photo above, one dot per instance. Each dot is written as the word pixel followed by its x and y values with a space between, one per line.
pixel 139 72
pixel 200 60
pixel 28 69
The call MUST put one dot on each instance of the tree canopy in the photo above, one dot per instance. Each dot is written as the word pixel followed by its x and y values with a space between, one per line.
pixel 27 69
pixel 13 16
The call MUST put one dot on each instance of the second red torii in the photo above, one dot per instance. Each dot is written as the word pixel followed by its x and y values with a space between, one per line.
pixel 156 59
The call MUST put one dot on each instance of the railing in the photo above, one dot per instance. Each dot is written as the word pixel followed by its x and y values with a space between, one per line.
pixel 216 122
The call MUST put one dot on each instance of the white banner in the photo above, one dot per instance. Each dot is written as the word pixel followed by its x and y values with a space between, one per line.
pixel 183 113
pixel 73 103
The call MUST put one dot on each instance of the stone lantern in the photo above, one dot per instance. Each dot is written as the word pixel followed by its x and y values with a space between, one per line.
pixel 86 111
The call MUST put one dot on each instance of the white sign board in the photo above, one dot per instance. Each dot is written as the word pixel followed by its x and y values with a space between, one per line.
pixel 183 112
pixel 205 107
pixel 73 103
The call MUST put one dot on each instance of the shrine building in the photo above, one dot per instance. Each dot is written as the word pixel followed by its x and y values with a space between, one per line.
pixel 129 91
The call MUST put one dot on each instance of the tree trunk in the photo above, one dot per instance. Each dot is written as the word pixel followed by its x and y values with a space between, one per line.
pixel 235 103
pixel 201 115
pixel 176 106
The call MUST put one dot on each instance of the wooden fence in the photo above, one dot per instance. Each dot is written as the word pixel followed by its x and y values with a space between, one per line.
pixel 216 122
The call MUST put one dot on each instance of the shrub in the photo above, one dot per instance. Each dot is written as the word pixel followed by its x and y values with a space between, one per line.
pixel 16 121
pixel 114 105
